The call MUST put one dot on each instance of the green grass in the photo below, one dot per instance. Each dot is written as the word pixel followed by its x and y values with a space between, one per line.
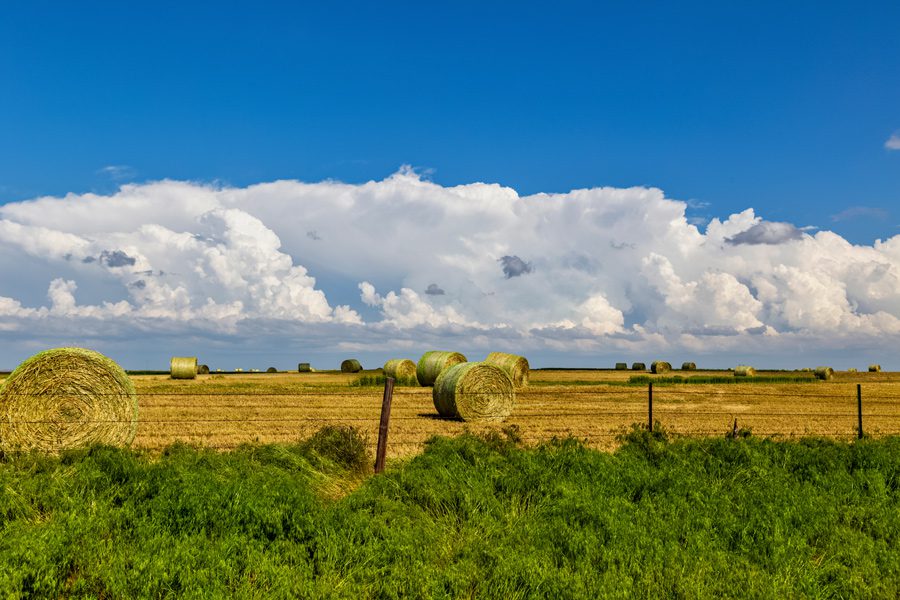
pixel 678 379
pixel 471 517
pixel 378 381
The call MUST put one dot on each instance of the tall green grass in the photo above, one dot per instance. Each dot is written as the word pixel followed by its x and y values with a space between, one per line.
pixel 471 517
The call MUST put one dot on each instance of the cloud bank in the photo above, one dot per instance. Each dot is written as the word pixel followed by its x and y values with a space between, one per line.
pixel 404 264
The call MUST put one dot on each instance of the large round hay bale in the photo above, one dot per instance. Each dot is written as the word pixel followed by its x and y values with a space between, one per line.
pixel 183 367
pixel 638 367
pixel 351 365
pixel 475 392
pixel 271 370
pixel 203 370
pixel 401 369
pixel 824 373
pixel 433 362
pixel 660 366
pixel 513 365
pixel 744 371
pixel 65 398
pixel 874 368
pixel 621 366
pixel 688 366
pixel 304 368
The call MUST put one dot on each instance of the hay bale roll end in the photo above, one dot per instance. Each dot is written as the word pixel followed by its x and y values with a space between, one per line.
pixel 65 398
pixel 474 392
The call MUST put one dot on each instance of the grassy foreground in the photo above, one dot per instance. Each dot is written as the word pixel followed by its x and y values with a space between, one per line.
pixel 471 517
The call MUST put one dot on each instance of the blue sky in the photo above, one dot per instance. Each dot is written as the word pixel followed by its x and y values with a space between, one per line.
pixel 750 104
pixel 775 124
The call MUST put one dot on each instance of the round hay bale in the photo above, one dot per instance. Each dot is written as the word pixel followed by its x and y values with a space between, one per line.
pixel 433 362
pixel 65 398
pixel 852 370
pixel 203 370
pixel 660 366
pixel 351 365
pixel 513 365
pixel 183 367
pixel 271 370
pixel 824 373
pixel 874 368
pixel 401 369
pixel 474 392
pixel 744 371
pixel 621 366
pixel 304 368
pixel 638 367
pixel 688 366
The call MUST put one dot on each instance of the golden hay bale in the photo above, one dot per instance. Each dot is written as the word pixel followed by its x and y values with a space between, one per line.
pixel 64 398
pixel 183 367
pixel 853 370
pixel 304 368
pixel 638 367
pixel 688 366
pixel 475 392
pixel 621 366
pixel 874 368
pixel 433 362
pixel 660 366
pixel 744 371
pixel 401 369
pixel 351 365
pixel 512 364
pixel 203 370
pixel 271 370
pixel 824 373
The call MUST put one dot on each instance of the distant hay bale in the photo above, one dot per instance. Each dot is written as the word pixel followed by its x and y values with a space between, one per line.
pixel 183 367
pixel 433 362
pixel 474 392
pixel 688 366
pixel 638 367
pixel 351 365
pixel 874 368
pixel 65 398
pixel 744 371
pixel 621 366
pixel 824 373
pixel 513 365
pixel 660 366
pixel 203 370
pixel 271 370
pixel 401 369
pixel 852 370
pixel 304 368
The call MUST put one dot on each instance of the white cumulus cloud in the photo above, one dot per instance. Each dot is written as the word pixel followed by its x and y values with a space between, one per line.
pixel 413 264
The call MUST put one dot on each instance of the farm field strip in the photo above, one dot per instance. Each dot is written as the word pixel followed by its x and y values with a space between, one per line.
pixel 224 411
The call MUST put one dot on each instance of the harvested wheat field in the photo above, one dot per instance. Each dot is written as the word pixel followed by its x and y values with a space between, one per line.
pixel 223 411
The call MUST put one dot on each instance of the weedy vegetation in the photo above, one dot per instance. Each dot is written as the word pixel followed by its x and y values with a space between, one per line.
pixel 472 516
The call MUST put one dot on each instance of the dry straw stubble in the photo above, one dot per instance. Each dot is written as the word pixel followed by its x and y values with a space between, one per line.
pixel 183 367
pixel 66 398
pixel 474 392
pixel 513 365
pixel 433 362
pixel 401 369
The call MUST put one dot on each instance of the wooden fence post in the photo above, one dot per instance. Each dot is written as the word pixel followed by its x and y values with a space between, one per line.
pixel 859 409
pixel 650 407
pixel 381 451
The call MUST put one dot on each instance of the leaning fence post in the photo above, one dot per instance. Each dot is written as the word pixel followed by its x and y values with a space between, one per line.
pixel 859 409
pixel 650 406
pixel 381 451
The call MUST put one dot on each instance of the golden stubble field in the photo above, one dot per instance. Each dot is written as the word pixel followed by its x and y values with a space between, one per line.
pixel 223 411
